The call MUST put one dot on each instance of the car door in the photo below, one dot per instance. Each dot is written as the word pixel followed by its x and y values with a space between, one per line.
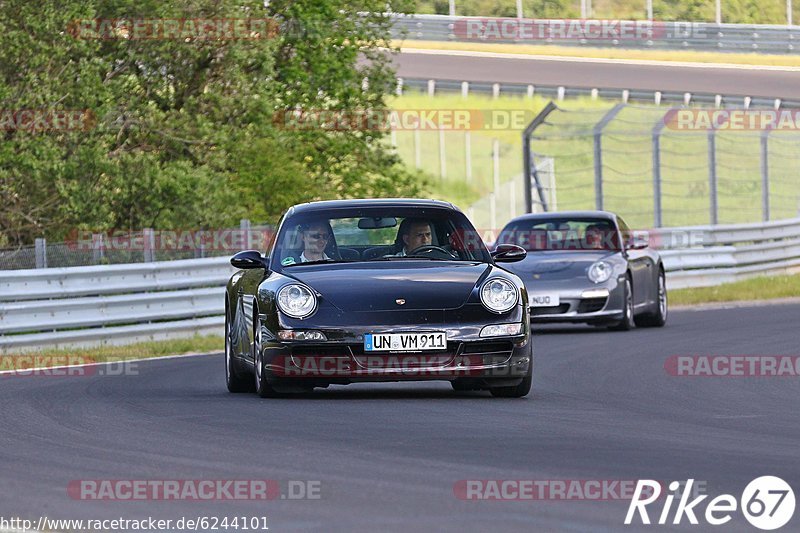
pixel 641 267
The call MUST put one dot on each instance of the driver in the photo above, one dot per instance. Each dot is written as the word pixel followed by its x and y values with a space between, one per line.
pixel 413 233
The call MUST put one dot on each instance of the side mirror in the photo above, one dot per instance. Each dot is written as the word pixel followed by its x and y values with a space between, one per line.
pixel 638 241
pixel 509 253
pixel 249 259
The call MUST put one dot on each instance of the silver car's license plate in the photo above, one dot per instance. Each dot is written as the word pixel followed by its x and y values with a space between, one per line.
pixel 405 342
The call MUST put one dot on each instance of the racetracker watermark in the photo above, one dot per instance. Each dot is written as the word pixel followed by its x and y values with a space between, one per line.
pixel 193 489
pixel 37 365
pixel 172 240
pixel 551 237
pixel 403 119
pixel 537 30
pixel 178 29
pixel 544 489
pixel 732 119
pixel 444 366
pixel 46 120
pixel 733 366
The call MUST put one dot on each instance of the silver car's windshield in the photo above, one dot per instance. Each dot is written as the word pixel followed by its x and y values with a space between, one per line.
pixel 563 234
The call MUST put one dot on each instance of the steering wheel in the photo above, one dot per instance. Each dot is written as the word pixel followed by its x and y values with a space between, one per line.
pixel 427 249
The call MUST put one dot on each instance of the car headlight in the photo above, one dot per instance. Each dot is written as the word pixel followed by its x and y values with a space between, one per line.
pixel 499 295
pixel 600 272
pixel 296 301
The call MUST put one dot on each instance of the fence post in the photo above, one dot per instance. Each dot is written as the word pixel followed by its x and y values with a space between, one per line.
pixel 765 174
pixel 244 229
pixel 597 133
pixel 528 164
pixel 40 250
pixel 442 155
pixel 417 149
pixel 468 154
pixel 657 218
pixel 464 89
pixel 495 180
pixel 98 248
pixel 712 175
pixel 149 244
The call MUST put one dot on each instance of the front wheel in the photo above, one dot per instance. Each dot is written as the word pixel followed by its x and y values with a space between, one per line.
pixel 657 318
pixel 235 381
pixel 263 388
pixel 627 322
pixel 517 391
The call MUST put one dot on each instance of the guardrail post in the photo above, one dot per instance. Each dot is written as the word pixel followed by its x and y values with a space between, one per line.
pixel 597 133
pixel 765 174
pixel 712 175
pixel 40 250
pixel 657 218
pixel 149 245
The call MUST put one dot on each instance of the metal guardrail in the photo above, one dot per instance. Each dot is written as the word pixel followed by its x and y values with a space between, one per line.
pixel 561 92
pixel 731 252
pixel 764 38
pixel 112 304
pixel 120 304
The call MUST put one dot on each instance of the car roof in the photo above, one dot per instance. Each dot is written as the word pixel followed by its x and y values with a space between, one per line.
pixel 566 214
pixel 371 202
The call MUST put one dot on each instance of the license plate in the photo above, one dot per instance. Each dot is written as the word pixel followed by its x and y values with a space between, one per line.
pixel 404 342
pixel 544 300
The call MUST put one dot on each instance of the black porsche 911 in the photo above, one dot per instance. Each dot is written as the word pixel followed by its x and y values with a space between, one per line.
pixel 377 290
pixel 588 266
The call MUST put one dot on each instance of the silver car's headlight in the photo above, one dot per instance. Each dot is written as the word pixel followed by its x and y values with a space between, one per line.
pixel 600 272
pixel 296 301
pixel 499 295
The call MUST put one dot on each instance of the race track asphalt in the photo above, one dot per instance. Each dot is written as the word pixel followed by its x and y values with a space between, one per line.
pixel 387 456
pixel 579 72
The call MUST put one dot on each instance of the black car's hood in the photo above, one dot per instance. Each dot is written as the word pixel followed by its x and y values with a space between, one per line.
pixel 377 286
pixel 558 264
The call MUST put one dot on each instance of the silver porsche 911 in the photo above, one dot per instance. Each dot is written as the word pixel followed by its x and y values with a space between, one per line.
pixel 588 266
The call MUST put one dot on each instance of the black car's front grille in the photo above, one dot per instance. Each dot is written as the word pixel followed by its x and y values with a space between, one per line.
pixel 556 310
pixel 592 305
pixel 320 351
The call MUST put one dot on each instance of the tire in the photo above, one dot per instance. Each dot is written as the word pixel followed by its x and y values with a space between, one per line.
pixel 517 391
pixel 233 379
pixel 262 388
pixel 627 323
pixel 658 318
pixel 461 386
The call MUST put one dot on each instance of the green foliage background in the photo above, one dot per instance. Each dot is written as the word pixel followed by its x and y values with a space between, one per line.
pixel 734 11
pixel 186 136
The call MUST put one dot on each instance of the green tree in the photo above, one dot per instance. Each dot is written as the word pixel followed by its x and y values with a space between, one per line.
pixel 184 133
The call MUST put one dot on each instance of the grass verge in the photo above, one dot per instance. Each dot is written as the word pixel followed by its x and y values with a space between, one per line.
pixel 761 288
pixel 684 56
pixel 102 354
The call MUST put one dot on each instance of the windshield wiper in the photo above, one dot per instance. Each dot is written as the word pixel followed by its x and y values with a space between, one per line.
pixel 401 257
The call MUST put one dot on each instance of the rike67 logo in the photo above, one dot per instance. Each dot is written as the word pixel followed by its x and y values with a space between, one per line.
pixel 767 503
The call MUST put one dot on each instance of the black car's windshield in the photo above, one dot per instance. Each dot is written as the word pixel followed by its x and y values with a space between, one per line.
pixel 378 234
pixel 564 234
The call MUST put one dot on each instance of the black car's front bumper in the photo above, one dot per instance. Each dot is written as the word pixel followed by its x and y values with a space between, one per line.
pixel 491 361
